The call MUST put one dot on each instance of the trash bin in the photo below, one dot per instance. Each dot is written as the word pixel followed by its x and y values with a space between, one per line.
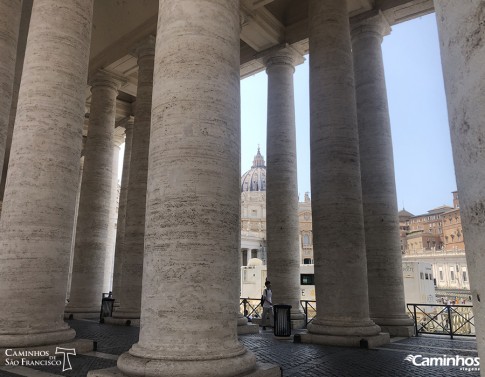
pixel 282 320
pixel 106 307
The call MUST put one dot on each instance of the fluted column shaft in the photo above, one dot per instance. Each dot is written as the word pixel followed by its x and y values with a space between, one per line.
pixel 461 34
pixel 132 262
pixel 190 294
pixel 120 231
pixel 10 11
pixel 282 184
pixel 91 246
pixel 338 229
pixel 384 262
pixel 39 202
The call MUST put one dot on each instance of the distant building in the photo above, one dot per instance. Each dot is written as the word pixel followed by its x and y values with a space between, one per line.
pixel 437 238
pixel 253 216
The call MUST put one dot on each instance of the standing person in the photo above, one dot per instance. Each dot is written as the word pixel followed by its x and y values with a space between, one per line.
pixel 267 305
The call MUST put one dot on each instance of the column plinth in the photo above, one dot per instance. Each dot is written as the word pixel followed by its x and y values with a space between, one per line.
pixel 40 195
pixel 91 246
pixel 282 184
pixel 134 235
pixel 381 222
pixel 338 228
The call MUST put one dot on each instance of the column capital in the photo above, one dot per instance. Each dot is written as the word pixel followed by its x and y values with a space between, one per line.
pixel 282 55
pixel 126 123
pixel 146 47
pixel 373 22
pixel 106 78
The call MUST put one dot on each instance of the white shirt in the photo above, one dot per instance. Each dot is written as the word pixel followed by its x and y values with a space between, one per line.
pixel 268 298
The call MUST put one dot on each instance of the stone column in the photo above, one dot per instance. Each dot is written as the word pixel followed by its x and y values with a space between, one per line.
pixel 282 184
pixel 73 237
pixel 190 295
pixel 384 262
pixel 462 33
pixel 113 215
pixel 10 11
pixel 120 229
pixel 132 262
pixel 91 245
pixel 40 195
pixel 338 228
pixel 19 64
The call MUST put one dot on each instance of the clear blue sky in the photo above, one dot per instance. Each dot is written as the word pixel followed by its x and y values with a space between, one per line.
pixel 417 105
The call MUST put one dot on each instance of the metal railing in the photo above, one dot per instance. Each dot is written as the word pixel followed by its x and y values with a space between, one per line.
pixel 442 319
pixel 250 307
pixel 310 310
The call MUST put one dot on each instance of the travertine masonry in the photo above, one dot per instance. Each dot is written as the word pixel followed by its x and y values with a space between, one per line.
pixel 93 220
pixel 462 42
pixel 134 237
pixel 339 245
pixel 190 296
pixel 120 229
pixel 9 31
pixel 384 262
pixel 282 184
pixel 38 211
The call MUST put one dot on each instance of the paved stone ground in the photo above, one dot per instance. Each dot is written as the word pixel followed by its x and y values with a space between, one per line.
pixel 296 360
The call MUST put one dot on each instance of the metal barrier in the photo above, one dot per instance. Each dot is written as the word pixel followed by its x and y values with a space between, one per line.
pixel 442 319
pixel 310 310
pixel 251 307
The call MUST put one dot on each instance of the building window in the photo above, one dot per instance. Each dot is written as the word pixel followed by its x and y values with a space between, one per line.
pixel 307 279
pixel 465 276
pixel 442 277
pixel 307 261
pixel 306 240
pixel 452 274
pixel 421 275
pixel 426 276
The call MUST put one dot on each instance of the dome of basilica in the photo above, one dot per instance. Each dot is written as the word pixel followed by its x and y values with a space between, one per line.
pixel 255 179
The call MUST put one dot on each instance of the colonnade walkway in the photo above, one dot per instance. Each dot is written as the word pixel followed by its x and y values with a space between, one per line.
pixel 295 359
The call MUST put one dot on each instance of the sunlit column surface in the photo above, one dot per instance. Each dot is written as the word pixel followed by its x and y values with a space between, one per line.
pixel 132 256
pixel 462 35
pixel 39 202
pixel 282 184
pixel 338 228
pixel 384 262
pixel 190 297
pixel 91 247
pixel 120 228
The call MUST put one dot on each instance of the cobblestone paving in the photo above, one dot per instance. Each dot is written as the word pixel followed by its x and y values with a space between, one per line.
pixel 296 360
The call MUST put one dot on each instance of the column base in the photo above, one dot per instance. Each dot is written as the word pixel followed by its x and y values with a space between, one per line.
pixel 398 331
pixel 297 320
pixel 62 335
pixel 80 345
pixel 239 362
pixel 262 370
pixel 127 314
pixel 345 341
pixel 401 326
pixel 249 328
pixel 122 321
